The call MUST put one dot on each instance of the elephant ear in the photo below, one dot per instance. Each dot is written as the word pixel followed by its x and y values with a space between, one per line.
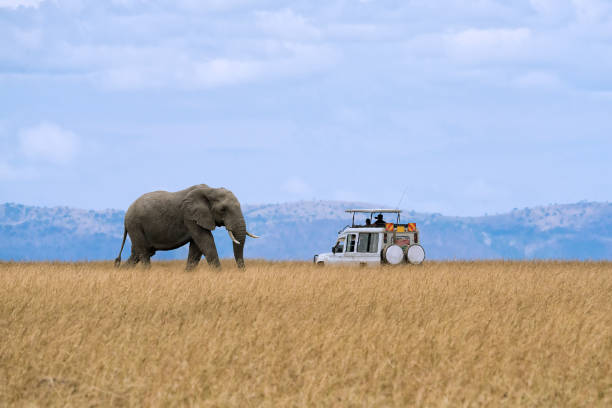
pixel 196 207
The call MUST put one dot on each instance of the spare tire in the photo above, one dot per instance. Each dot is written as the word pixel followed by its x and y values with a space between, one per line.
pixel 393 254
pixel 415 254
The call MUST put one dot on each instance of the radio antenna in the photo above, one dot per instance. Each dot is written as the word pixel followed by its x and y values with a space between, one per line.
pixel 401 198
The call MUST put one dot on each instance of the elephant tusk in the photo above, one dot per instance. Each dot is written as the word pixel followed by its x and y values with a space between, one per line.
pixel 252 235
pixel 233 238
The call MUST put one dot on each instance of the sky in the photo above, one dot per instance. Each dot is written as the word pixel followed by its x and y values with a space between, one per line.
pixel 462 107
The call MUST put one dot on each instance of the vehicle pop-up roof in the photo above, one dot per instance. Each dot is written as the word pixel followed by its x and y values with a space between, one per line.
pixel 373 211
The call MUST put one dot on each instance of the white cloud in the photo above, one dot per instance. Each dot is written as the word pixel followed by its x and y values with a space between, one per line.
pixel 221 71
pixel 539 79
pixel 472 46
pixel 286 24
pixel 206 5
pixel 177 64
pixel 602 95
pixel 165 68
pixel 482 190
pixel 48 142
pixel 330 81
pixel 19 3
pixel 31 39
pixel 552 9
pixel 183 73
pixel 545 6
pixel 12 173
pixel 582 11
pixel 591 11
pixel 297 186
pixel 485 44
pixel 240 45
pixel 7 172
pixel 344 195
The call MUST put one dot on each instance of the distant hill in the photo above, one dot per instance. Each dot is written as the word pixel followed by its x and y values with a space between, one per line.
pixel 298 230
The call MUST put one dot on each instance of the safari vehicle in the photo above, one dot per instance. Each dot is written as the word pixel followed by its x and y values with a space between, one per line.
pixel 375 242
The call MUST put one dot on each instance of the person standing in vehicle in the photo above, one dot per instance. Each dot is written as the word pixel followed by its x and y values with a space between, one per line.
pixel 379 221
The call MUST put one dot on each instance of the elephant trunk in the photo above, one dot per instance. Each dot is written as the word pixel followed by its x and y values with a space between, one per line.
pixel 239 254
pixel 239 232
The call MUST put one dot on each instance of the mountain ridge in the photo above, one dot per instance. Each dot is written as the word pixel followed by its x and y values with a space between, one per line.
pixel 298 230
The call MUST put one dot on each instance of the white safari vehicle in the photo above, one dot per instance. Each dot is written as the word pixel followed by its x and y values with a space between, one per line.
pixel 375 242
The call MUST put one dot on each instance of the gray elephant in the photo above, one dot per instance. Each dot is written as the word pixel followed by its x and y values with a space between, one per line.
pixel 161 221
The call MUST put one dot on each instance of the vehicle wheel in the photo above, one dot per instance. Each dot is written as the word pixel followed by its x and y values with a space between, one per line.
pixel 320 264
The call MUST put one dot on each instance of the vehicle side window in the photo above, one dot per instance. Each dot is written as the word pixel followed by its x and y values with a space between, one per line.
pixel 350 242
pixel 362 245
pixel 373 247
pixel 368 242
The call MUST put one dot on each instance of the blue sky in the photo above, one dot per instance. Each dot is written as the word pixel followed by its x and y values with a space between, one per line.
pixel 471 106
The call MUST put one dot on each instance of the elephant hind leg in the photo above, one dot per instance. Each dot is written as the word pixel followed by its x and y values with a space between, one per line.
pixel 193 259
pixel 145 257
pixel 146 260
pixel 131 261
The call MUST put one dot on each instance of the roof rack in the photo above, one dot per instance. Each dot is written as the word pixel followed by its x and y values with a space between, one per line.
pixel 373 211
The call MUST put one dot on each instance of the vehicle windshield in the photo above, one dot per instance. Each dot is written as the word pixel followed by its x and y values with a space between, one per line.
pixel 340 245
pixel 367 217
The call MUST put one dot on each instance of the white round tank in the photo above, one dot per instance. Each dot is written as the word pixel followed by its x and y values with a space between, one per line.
pixel 415 254
pixel 394 254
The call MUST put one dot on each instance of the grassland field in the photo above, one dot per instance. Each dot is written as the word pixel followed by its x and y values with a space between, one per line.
pixel 293 334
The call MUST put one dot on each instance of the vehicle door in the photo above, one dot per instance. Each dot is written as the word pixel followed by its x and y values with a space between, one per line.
pixel 338 252
pixel 368 247
pixel 350 251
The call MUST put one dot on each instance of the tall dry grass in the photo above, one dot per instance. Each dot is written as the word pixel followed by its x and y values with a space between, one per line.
pixel 291 334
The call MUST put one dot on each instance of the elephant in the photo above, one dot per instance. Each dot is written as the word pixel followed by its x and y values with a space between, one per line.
pixel 161 221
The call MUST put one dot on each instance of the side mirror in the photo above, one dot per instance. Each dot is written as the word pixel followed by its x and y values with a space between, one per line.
pixel 333 249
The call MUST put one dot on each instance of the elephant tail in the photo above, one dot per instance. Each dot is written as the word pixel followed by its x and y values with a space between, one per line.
pixel 118 259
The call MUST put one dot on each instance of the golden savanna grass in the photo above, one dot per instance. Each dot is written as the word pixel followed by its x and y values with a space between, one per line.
pixel 292 334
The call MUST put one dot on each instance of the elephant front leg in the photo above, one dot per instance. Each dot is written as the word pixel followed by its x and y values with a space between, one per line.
pixel 193 259
pixel 206 243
